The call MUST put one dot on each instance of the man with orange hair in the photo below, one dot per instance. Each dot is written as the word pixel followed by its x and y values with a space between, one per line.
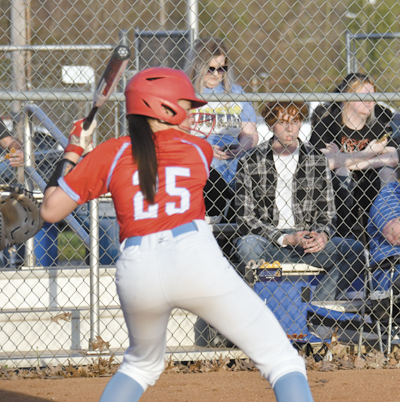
pixel 285 204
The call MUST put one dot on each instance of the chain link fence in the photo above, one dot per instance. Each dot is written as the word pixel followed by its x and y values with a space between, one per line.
pixel 57 298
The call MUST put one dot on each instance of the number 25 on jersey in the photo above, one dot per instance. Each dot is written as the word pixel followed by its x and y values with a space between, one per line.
pixel 171 208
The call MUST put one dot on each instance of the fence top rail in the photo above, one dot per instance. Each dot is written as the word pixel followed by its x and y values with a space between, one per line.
pixel 377 35
pixel 138 31
pixel 14 48
pixel 302 97
pixel 72 96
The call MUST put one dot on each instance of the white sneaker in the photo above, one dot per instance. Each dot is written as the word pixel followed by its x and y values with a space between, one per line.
pixel 379 295
pixel 211 220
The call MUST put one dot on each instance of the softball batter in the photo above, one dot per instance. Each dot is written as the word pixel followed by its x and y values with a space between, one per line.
pixel 169 257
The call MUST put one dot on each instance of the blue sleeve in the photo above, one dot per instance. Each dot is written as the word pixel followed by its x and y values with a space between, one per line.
pixel 248 112
pixel 385 208
pixel 371 228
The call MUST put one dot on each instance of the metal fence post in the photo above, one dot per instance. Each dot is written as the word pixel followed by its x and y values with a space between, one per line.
pixel 94 271
pixel 30 258
pixel 348 52
pixel 94 267
pixel 193 19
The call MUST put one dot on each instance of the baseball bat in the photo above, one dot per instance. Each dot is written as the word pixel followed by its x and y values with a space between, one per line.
pixel 108 81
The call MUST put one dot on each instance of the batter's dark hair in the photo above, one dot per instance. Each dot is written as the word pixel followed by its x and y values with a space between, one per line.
pixel 144 155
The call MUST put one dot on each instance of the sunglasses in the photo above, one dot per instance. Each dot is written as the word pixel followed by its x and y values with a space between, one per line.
pixel 220 70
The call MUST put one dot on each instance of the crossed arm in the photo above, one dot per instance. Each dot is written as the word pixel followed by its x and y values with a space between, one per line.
pixel 375 155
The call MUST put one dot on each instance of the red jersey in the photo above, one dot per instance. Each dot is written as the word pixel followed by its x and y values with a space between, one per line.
pixel 183 169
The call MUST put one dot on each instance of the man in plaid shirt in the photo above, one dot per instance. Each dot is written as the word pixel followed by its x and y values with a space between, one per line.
pixel 285 205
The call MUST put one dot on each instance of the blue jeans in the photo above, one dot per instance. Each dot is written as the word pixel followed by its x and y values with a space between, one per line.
pixel 342 258
pixel 381 278
pixel 226 167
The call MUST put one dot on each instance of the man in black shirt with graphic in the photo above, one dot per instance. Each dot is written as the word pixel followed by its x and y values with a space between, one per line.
pixel 361 128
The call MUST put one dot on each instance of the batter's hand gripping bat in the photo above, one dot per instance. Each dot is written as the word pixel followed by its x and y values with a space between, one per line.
pixel 109 80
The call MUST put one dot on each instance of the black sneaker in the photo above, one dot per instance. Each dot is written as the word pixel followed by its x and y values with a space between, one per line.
pixel 380 304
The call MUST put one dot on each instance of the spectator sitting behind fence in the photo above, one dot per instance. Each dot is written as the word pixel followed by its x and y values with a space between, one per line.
pixel 384 231
pixel 209 68
pixel 342 130
pixel 285 205
pixel 16 159
pixel 9 143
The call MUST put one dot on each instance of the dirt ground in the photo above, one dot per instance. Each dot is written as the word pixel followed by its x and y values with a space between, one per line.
pixel 342 385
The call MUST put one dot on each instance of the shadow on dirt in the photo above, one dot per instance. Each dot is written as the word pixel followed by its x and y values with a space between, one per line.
pixel 9 396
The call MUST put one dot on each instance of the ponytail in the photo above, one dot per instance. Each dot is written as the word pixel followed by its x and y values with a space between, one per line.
pixel 144 155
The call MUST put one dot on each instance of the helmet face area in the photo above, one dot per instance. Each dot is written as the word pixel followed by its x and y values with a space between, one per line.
pixel 198 124
pixel 152 89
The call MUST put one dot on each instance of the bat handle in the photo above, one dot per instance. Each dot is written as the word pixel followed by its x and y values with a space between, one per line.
pixel 89 119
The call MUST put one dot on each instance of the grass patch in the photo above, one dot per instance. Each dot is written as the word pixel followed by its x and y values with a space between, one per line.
pixel 70 246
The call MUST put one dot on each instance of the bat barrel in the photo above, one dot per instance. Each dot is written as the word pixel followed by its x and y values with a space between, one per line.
pixel 109 80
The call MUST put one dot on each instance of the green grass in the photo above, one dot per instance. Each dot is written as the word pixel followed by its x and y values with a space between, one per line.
pixel 70 246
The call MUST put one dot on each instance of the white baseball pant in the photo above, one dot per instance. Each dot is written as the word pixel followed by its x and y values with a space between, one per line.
pixel 190 272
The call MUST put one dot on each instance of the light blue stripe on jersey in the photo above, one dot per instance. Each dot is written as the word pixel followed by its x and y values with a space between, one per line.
pixel 385 208
pixel 67 189
pixel 200 151
pixel 115 161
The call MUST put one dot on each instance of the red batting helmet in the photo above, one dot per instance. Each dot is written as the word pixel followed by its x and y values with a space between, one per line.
pixel 154 87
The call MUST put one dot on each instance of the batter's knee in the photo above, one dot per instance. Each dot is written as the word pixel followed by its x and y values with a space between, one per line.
pixel 142 372
pixel 286 365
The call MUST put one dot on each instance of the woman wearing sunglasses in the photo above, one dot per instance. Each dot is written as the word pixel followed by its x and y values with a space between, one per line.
pixel 235 130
